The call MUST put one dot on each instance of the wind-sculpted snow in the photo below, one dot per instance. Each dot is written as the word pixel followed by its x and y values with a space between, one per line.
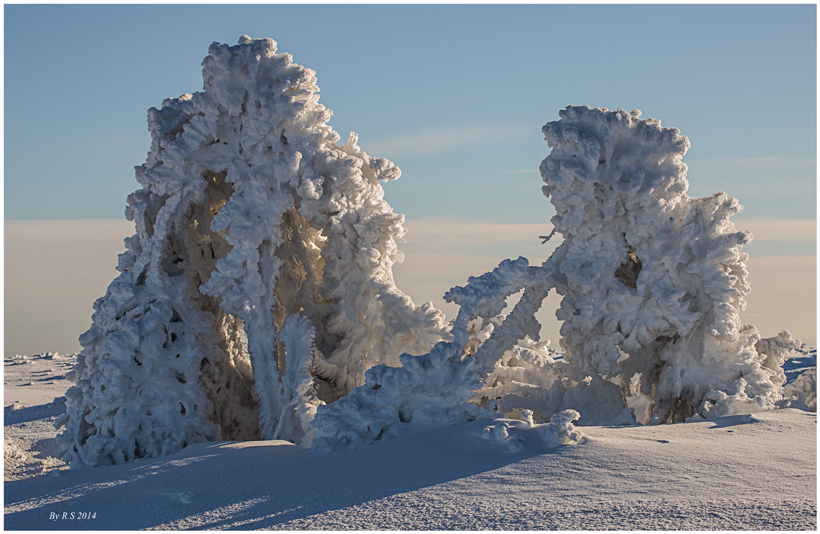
pixel 249 214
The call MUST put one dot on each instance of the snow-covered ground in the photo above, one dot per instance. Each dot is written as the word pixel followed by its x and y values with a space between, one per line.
pixel 33 389
pixel 746 472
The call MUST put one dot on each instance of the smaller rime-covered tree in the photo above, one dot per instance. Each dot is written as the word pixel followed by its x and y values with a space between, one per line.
pixel 436 388
pixel 653 280
pixel 653 284
pixel 259 283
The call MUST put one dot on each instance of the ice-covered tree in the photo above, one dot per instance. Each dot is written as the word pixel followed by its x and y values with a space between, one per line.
pixel 653 284
pixel 259 282
pixel 653 280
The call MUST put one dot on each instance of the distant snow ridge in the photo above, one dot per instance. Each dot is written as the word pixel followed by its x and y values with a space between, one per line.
pixel 250 219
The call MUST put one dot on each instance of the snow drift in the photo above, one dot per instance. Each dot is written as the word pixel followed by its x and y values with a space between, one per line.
pixel 256 299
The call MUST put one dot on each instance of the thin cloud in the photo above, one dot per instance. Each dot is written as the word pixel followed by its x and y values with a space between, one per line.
pixel 55 270
pixel 528 171
pixel 448 138
pixel 783 296
pixel 449 232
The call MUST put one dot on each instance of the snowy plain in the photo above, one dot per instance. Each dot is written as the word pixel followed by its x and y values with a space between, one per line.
pixel 744 472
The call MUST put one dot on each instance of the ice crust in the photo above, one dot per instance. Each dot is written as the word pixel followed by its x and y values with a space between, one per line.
pixel 256 299
pixel 249 214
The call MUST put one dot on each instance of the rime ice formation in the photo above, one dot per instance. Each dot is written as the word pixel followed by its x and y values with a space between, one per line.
pixel 803 389
pixel 653 280
pixel 259 282
pixel 256 299
pixel 653 284
pixel 439 388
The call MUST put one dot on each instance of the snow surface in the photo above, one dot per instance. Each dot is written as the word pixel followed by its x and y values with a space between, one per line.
pixel 747 472
pixel 33 400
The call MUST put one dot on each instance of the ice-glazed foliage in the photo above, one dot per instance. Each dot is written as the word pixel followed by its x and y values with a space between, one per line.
pixel 250 218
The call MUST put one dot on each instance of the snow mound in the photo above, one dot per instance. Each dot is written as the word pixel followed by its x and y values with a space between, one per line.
pixel 559 431
pixel 514 433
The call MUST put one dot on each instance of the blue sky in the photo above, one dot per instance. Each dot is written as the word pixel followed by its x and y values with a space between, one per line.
pixel 466 88
pixel 455 95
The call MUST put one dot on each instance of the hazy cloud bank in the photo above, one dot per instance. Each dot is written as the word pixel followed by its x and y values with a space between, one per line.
pixel 804 230
pixel 55 270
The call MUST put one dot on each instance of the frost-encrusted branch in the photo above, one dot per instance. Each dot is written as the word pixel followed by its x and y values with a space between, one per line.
pixel 438 388
pixel 298 338
pixel 653 284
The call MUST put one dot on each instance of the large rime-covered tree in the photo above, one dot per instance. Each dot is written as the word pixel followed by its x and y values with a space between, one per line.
pixel 249 214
